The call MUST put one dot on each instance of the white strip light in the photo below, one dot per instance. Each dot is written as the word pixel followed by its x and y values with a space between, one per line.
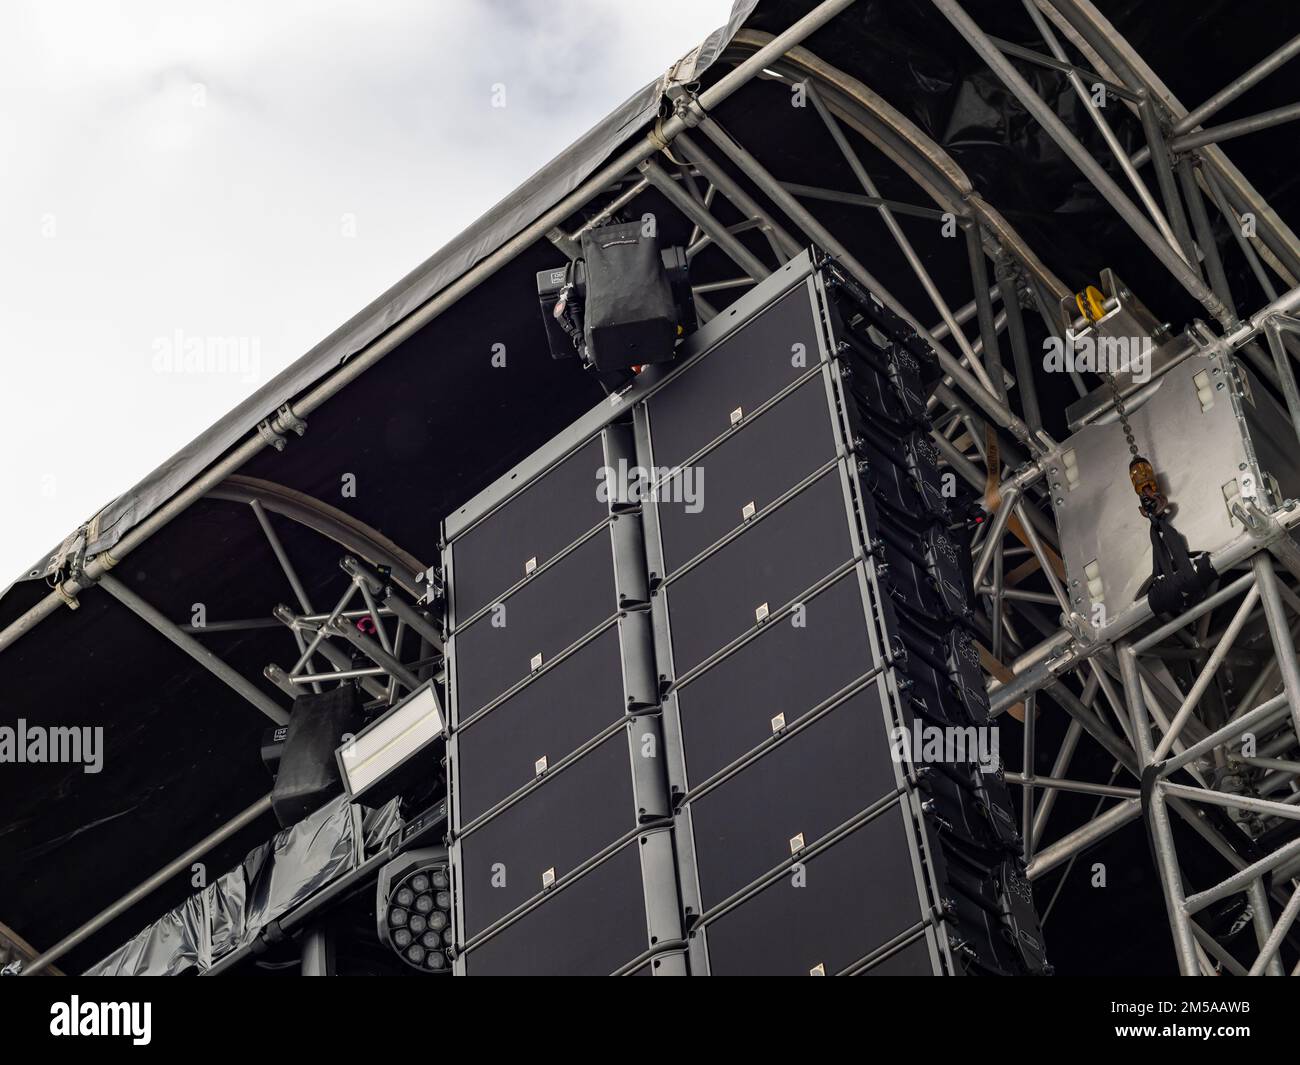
pixel 386 743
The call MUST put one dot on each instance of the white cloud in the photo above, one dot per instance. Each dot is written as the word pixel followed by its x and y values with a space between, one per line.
pixel 175 166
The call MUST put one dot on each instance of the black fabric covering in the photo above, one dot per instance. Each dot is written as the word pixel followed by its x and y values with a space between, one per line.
pixel 630 318
pixel 229 912
pixel 309 774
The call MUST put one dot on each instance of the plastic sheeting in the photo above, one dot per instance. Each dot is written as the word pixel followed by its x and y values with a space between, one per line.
pixel 275 877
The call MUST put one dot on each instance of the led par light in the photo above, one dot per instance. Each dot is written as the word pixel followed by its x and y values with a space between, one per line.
pixel 413 908
pixel 388 742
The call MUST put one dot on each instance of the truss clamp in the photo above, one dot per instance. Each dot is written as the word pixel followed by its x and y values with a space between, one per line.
pixel 275 430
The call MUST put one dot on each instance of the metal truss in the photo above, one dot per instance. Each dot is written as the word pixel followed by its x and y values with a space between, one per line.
pixel 1181 747
pixel 1149 692
pixel 366 599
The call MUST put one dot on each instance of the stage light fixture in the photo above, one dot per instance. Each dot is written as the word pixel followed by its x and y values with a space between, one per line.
pixel 413 908
pixel 388 742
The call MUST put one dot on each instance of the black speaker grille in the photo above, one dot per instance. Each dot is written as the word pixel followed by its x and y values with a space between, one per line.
pixel 548 614
pixel 786 669
pixel 771 562
pixel 741 372
pixel 779 448
pixel 550 718
pixel 536 523
pixel 857 895
pixel 570 818
pixel 810 783
pixel 593 927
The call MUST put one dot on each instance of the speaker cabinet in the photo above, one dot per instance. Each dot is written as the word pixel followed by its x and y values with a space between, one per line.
pixel 531 528
pixel 736 376
pixel 569 599
pixel 752 820
pixel 686 697
pixel 823 505
pixel 572 815
pixel 766 566
pixel 555 757
pixel 499 750
pixel 752 468
pixel 800 660
pixel 599 924
pixel 829 913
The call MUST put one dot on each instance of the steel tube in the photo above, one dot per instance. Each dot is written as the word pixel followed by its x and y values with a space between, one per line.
pixel 1005 509
pixel 857 199
pixel 1176 230
pixel 416 621
pixel 1207 673
pixel 1268 958
pixel 1239 128
pixel 1233 802
pixel 1095 34
pixel 1107 134
pixel 1081 787
pixel 1274 709
pixel 281 556
pixel 984 307
pixel 1005 273
pixel 423 315
pixel 733 191
pixel 1275 615
pixel 318 638
pixel 1241 880
pixel 1210 602
pixel 777 47
pixel 1162 837
pixel 146 887
pixel 1036 546
pixel 1237 86
pixel 1204 234
pixel 896 232
pixel 1171 881
pixel 1082 158
pixel 1027 778
pixel 374 652
pixel 826 240
pixel 342 674
pixel 1285 373
pixel 187 643
pixel 1212 947
pixel 1083 837
pixel 715 230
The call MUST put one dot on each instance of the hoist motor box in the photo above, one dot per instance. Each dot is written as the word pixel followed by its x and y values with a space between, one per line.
pixel 1217 440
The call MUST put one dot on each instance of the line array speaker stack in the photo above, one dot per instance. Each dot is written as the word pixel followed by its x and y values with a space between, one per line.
pixel 776 606
pixel 561 841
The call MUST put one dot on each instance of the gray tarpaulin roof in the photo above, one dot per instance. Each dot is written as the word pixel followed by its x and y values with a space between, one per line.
pixel 523 206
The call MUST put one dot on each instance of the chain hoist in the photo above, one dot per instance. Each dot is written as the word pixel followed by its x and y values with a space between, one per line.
pixel 1179 577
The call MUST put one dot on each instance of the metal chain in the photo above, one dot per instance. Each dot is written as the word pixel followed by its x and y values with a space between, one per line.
pixel 1123 415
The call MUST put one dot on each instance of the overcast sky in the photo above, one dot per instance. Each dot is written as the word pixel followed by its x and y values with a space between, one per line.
pixel 173 171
